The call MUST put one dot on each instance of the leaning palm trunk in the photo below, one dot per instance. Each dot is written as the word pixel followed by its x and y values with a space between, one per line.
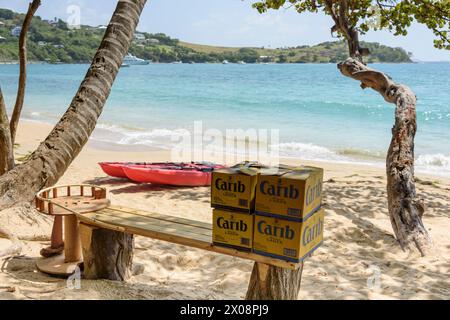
pixel 53 156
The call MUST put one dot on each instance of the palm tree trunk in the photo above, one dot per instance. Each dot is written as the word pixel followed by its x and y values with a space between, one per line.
pixel 53 156
pixel 23 68
pixel 6 146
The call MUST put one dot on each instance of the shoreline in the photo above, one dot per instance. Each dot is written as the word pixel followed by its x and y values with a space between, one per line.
pixel 250 63
pixel 119 152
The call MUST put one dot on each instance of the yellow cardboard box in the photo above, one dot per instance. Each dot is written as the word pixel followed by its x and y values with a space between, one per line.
pixel 233 229
pixel 289 193
pixel 288 240
pixel 234 188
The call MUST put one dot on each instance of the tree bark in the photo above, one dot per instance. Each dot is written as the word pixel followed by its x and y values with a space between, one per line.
pixel 405 209
pixel 107 254
pixel 53 156
pixel 338 10
pixel 6 146
pixel 274 283
pixel 23 68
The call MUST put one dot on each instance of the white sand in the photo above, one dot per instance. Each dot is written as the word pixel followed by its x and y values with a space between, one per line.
pixel 360 258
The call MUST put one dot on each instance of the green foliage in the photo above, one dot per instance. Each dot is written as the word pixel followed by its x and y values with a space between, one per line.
pixel 365 15
pixel 6 14
pixel 60 44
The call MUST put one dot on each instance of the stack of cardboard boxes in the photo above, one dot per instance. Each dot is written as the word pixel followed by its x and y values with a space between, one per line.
pixel 233 199
pixel 289 219
pixel 274 212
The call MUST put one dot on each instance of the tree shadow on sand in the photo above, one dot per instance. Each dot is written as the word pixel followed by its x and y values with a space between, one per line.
pixel 199 273
pixel 363 248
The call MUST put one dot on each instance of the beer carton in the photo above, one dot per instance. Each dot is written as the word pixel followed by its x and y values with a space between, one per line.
pixel 232 229
pixel 234 188
pixel 289 193
pixel 285 239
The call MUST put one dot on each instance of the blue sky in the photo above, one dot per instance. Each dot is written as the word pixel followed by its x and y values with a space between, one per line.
pixel 231 23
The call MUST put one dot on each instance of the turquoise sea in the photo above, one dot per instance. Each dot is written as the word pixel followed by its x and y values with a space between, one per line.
pixel 320 114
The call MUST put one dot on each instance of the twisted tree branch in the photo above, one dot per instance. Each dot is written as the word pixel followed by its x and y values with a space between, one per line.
pixel 405 208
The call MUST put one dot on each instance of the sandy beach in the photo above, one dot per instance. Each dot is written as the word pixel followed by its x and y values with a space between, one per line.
pixel 360 258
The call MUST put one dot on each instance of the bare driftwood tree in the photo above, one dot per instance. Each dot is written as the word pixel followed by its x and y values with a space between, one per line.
pixel 51 159
pixel 352 18
pixel 405 208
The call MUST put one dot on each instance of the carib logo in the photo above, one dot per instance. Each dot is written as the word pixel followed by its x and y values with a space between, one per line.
pixel 275 231
pixel 311 233
pixel 229 186
pixel 313 192
pixel 290 191
pixel 240 225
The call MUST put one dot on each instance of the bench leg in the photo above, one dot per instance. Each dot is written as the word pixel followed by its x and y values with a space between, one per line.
pixel 274 283
pixel 107 254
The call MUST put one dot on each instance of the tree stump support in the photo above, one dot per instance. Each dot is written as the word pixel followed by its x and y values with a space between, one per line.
pixel 107 254
pixel 274 283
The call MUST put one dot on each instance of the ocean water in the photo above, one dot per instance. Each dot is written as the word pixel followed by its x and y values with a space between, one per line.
pixel 320 114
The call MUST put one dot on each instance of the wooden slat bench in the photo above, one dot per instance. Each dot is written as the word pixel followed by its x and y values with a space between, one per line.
pixel 186 232
pixel 106 236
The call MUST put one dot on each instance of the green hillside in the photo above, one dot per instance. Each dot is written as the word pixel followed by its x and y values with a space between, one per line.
pixel 54 42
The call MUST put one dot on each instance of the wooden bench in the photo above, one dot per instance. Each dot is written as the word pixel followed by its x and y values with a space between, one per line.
pixel 106 236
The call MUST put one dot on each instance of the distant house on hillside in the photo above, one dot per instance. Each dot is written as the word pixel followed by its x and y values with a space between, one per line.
pixel 139 36
pixel 102 27
pixel 41 43
pixel 58 46
pixel 15 32
pixel 2 39
pixel 2 24
pixel 52 22
pixel 152 41
pixel 265 58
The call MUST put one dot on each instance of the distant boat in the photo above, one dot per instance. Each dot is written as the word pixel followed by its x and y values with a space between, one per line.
pixel 241 62
pixel 225 62
pixel 124 65
pixel 133 60
pixel 177 62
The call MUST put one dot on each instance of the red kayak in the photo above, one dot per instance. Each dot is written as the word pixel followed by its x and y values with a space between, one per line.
pixel 115 169
pixel 167 173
